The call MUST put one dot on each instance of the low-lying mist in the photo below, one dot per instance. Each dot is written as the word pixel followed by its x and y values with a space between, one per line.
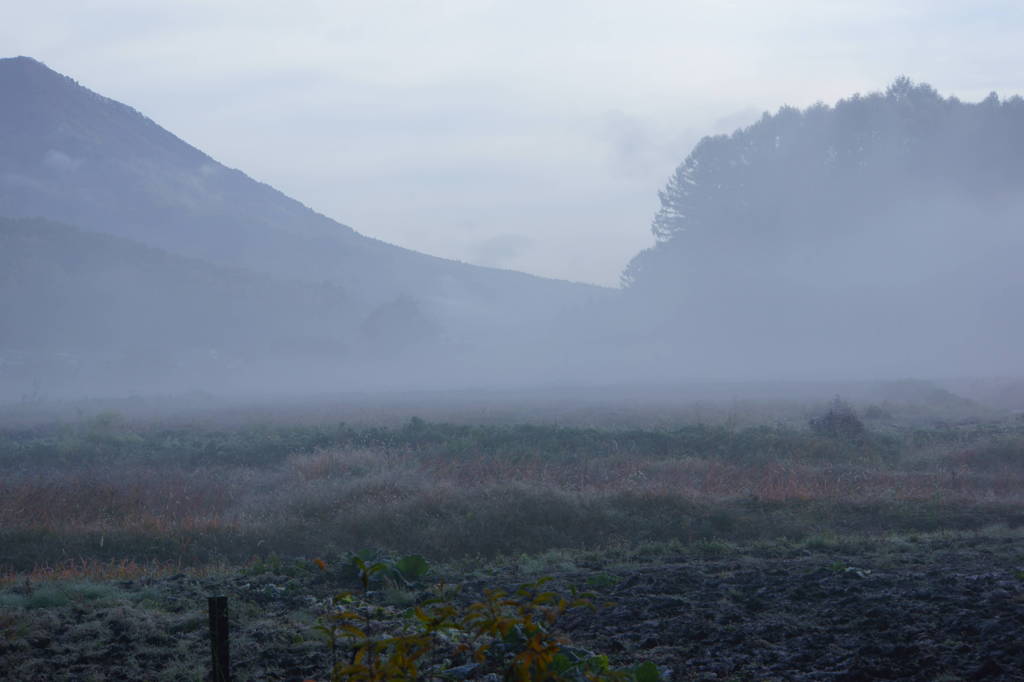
pixel 875 240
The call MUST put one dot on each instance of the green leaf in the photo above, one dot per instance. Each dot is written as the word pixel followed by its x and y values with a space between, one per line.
pixel 367 555
pixel 561 664
pixel 647 672
pixel 599 663
pixel 412 567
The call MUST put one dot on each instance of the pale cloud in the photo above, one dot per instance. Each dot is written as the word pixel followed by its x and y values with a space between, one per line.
pixel 555 122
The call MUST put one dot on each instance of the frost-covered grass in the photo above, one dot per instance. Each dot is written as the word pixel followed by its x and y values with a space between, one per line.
pixel 105 490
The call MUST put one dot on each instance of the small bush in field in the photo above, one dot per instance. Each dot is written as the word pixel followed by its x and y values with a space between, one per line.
pixel 839 422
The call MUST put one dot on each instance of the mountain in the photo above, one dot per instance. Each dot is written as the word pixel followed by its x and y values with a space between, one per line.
pixel 184 274
pixel 71 155
pixel 80 308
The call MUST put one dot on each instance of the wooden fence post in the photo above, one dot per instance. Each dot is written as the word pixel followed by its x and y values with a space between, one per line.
pixel 219 639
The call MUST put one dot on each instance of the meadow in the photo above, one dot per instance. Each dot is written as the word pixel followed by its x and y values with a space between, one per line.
pixel 808 531
pixel 107 488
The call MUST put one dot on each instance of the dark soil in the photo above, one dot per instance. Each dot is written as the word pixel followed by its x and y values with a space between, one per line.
pixel 942 611
pixel 933 609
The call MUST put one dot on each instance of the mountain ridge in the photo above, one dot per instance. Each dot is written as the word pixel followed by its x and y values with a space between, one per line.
pixel 72 155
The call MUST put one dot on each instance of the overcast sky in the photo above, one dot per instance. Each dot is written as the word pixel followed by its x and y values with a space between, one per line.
pixel 531 135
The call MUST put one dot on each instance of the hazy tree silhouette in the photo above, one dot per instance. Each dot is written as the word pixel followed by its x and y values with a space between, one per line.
pixel 892 210
pixel 798 173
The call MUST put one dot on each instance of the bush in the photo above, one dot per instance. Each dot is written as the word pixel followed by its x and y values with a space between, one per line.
pixel 839 422
pixel 511 636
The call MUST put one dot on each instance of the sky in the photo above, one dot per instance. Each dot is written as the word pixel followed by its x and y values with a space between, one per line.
pixel 530 135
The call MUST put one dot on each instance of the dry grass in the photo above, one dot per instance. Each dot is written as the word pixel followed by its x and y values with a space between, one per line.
pixel 691 478
pixel 121 516
pixel 98 570
pixel 122 498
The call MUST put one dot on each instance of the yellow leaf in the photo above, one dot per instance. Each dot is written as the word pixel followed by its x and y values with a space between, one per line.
pixel 353 630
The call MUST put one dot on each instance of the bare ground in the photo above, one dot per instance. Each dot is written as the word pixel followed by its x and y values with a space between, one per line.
pixel 930 607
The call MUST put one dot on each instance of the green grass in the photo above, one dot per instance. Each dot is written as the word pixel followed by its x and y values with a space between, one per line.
pixel 59 594
pixel 109 439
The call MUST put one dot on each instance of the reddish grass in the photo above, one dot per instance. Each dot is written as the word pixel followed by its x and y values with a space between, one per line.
pixel 375 488
pixel 95 569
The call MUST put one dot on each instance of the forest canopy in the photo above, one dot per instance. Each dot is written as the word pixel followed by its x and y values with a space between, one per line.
pixel 886 226
pixel 802 175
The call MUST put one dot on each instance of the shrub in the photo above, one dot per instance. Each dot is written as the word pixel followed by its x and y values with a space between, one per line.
pixel 839 422
pixel 513 635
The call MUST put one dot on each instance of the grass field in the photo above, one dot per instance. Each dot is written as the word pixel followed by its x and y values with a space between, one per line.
pixel 109 489
pixel 701 529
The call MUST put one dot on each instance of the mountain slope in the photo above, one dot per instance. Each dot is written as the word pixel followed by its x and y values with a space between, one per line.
pixel 71 155
pixel 80 307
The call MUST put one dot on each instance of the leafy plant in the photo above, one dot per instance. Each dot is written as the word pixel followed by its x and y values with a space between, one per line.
pixel 412 568
pixel 406 571
pixel 514 635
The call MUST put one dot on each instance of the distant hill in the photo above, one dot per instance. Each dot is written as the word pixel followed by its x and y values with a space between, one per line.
pixel 878 237
pixel 77 306
pixel 71 155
